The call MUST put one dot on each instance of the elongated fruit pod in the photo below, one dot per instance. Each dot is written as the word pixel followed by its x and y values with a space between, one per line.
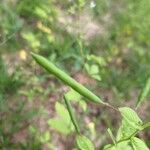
pixel 143 93
pixel 72 116
pixel 51 68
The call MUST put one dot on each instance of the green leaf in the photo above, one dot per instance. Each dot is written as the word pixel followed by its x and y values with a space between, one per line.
pixel 84 143
pixel 61 126
pixel 125 145
pixel 125 131
pixel 62 112
pixel 83 104
pixel 40 12
pixel 146 125
pixel 81 3
pixel 131 117
pixel 131 123
pixel 97 59
pixel 138 144
pixel 32 39
pixel 96 77
pixel 32 129
pixel 143 93
pixel 109 147
pixel 73 95
pixel 45 137
pixel 93 71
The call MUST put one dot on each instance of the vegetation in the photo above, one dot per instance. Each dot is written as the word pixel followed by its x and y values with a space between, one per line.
pixel 131 123
pixel 103 46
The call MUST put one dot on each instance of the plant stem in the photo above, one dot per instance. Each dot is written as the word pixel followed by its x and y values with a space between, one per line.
pixel 72 116
pixel 126 139
pixel 110 106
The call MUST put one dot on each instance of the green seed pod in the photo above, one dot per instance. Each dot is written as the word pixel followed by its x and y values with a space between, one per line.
pixel 51 68
pixel 143 93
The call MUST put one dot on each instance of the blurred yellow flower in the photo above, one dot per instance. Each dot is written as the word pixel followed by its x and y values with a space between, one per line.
pixel 23 54
pixel 43 28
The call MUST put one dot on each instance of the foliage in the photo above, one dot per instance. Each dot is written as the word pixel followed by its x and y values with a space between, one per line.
pixel 63 124
pixel 84 143
pixel 124 47
pixel 107 42
pixel 8 82
pixel 131 123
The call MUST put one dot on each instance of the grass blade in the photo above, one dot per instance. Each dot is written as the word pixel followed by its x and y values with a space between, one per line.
pixel 111 135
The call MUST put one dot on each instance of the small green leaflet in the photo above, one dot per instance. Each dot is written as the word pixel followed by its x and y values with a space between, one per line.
pixel 62 124
pixel 125 145
pixel 109 147
pixel 45 137
pixel 143 93
pixel 93 71
pixel 130 116
pixel 32 129
pixel 62 112
pixel 84 143
pixel 138 144
pixel 97 59
pixel 72 95
pixel 125 131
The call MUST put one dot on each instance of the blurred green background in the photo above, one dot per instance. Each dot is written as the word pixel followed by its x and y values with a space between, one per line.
pixel 103 44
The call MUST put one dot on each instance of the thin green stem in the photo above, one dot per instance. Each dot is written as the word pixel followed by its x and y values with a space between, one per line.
pixel 126 139
pixel 72 116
